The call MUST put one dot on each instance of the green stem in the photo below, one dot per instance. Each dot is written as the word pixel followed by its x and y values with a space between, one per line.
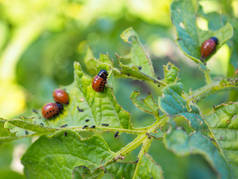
pixel 144 149
pixel 131 146
pixel 108 129
pixel 139 139
pixel 146 77
pixel 211 88
pixel 10 138
pixel 207 76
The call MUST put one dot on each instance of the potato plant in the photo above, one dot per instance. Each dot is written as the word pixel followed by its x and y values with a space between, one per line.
pixel 73 144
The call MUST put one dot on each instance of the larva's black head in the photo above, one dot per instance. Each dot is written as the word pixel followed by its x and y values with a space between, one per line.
pixel 215 40
pixel 60 106
pixel 103 74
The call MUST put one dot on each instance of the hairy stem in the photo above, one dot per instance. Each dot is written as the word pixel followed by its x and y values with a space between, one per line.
pixel 211 88
pixel 144 149
pixel 109 129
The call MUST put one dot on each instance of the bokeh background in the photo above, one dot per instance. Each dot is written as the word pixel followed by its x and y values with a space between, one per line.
pixel 40 40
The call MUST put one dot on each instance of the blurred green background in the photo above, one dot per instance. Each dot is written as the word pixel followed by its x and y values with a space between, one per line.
pixel 40 40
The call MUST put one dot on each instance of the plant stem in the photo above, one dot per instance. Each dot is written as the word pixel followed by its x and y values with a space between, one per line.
pixel 131 146
pixel 140 139
pixel 144 149
pixel 211 88
pixel 207 77
pixel 108 129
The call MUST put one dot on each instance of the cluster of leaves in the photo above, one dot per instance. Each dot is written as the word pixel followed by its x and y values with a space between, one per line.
pixel 73 145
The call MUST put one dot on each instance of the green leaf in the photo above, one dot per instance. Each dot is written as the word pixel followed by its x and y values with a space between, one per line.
pixel 223 123
pixel 148 169
pixel 184 14
pixel 100 107
pixel 5 134
pixel 170 73
pixel 138 55
pixel 126 68
pixel 56 157
pixel 85 104
pixel 183 144
pixel 173 104
pixel 146 104
pixel 94 65
pixel 131 71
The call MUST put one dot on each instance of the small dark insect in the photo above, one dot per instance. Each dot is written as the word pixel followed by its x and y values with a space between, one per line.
pixel 41 124
pixel 51 110
pixel 34 111
pixel 93 126
pixel 26 132
pixel 139 67
pixel 137 161
pixel 208 47
pixel 65 134
pixel 116 134
pixel 84 127
pixel 103 124
pixel 99 81
pixel 80 110
pixel 87 120
pixel 65 125
pixel 61 96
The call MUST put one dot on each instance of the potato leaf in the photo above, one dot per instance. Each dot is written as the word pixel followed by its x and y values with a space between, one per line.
pixel 223 123
pixel 184 14
pixel 56 157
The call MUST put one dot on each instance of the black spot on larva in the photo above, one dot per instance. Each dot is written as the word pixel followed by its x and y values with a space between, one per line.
pixel 137 161
pixel 84 127
pixel 116 134
pixel 65 134
pixel 103 124
pixel 139 67
pixel 79 109
pixel 87 120
pixel 26 132
pixel 65 125
pixel 93 126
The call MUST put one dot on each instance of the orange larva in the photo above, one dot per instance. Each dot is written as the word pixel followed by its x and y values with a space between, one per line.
pixel 99 81
pixel 51 110
pixel 61 96
pixel 208 47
